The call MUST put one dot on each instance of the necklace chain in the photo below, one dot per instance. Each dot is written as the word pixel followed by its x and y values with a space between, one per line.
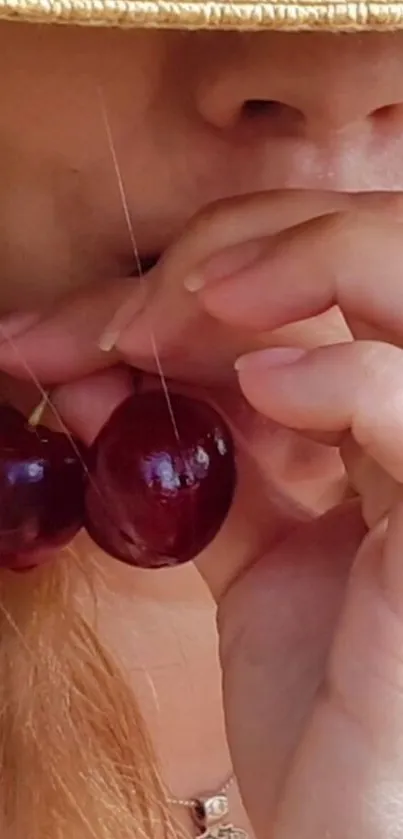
pixel 190 802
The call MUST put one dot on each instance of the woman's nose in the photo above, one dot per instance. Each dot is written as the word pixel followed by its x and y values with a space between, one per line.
pixel 310 86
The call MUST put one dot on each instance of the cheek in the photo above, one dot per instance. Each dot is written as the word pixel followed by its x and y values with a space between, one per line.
pixel 34 251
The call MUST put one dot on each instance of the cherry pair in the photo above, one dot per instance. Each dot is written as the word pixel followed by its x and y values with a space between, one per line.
pixel 153 489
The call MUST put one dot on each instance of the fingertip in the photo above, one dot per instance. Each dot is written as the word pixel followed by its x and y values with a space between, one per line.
pixel 122 320
pixel 86 404
pixel 267 358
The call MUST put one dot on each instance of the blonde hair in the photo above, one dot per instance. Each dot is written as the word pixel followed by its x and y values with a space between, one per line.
pixel 75 759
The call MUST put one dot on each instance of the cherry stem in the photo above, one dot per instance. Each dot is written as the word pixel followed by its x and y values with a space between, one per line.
pixel 38 412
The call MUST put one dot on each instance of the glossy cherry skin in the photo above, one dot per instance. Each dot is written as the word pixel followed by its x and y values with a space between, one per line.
pixel 41 491
pixel 158 493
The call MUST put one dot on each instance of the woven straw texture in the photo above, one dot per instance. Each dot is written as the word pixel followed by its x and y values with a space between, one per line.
pixel 286 15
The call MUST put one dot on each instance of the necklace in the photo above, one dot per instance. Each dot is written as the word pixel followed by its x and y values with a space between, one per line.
pixel 208 812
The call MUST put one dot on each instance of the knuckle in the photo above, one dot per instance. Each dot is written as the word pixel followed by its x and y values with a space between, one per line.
pixel 209 214
pixel 352 239
pixel 349 230
pixel 340 234
pixel 342 228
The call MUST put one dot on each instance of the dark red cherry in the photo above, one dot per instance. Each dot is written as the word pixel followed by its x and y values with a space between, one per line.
pixel 10 419
pixel 41 491
pixel 160 491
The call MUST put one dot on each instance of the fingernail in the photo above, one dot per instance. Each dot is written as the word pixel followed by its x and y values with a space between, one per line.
pixel 273 357
pixel 108 340
pixel 121 320
pixel 195 282
pixel 13 325
pixel 225 264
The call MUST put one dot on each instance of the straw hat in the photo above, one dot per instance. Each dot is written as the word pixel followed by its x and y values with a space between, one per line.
pixel 284 15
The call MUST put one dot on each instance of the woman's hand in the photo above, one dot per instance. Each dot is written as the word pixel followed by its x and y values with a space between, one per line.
pixel 316 723
pixel 313 672
pixel 130 317
pixel 312 633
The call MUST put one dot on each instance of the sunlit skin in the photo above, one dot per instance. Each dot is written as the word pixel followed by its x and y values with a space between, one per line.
pixel 271 224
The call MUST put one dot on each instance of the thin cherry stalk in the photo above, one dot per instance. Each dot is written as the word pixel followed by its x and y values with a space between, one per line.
pixel 129 224
pixel 45 400
pixel 167 486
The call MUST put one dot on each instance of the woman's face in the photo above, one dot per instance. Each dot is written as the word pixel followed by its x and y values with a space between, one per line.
pixel 185 119
pixel 194 118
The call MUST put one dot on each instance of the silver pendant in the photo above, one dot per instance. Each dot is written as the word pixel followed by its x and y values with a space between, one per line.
pixel 208 811
pixel 208 814
pixel 224 831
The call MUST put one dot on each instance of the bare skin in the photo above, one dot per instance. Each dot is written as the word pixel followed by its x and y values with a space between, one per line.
pixel 309 609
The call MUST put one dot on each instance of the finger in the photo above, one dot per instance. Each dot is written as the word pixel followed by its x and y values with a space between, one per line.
pixel 62 343
pixel 221 227
pixel 85 405
pixel 248 218
pixel 67 341
pixel 378 491
pixel 70 340
pixel 168 335
pixel 173 311
pixel 349 260
pixel 357 386
pixel 276 624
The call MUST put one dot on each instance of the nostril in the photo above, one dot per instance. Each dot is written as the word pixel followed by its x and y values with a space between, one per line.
pixel 385 112
pixel 280 117
pixel 261 107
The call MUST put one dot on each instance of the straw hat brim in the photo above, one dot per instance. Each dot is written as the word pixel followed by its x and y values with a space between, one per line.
pixel 284 15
